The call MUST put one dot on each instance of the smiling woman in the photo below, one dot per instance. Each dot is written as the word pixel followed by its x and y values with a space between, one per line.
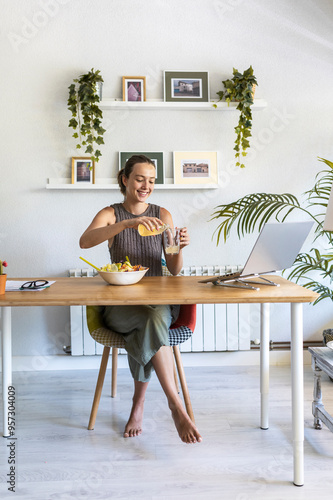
pixel 144 328
pixel 144 171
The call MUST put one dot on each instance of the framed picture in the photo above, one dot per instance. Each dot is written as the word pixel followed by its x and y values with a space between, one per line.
pixel 134 88
pixel 156 157
pixel 195 167
pixel 83 171
pixel 186 86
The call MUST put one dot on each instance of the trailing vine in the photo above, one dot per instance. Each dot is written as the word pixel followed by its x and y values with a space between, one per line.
pixel 240 88
pixel 86 115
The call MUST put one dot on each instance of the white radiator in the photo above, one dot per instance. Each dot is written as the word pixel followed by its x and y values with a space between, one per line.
pixel 219 327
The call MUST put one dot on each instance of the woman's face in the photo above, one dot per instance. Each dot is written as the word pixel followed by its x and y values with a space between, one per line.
pixel 141 181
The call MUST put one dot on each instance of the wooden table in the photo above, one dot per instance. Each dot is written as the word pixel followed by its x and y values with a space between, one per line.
pixel 179 290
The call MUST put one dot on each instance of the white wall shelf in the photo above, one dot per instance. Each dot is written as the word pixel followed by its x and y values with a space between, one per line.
pixel 66 184
pixel 180 106
pixel 106 104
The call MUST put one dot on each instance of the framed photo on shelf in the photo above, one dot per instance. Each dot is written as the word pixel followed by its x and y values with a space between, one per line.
pixel 155 156
pixel 83 170
pixel 195 167
pixel 186 86
pixel 134 88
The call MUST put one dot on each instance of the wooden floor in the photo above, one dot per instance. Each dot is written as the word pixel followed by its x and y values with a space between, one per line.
pixel 57 458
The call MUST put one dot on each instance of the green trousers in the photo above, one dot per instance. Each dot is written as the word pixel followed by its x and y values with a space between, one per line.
pixel 145 329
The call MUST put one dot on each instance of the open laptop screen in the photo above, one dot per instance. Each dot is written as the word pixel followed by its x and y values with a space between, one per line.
pixel 277 247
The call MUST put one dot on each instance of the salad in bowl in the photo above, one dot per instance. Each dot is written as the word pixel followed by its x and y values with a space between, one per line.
pixel 120 273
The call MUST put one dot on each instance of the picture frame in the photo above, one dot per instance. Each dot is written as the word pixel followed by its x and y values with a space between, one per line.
pixel 155 156
pixel 195 167
pixel 134 88
pixel 186 86
pixel 83 170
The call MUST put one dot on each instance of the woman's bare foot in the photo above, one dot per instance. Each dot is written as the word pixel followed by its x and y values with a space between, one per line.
pixel 134 425
pixel 187 430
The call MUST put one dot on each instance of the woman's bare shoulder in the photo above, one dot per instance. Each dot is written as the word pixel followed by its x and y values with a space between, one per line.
pixel 106 215
pixel 165 216
pixel 164 212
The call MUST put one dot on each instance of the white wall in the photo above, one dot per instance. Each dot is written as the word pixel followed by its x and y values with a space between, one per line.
pixel 45 44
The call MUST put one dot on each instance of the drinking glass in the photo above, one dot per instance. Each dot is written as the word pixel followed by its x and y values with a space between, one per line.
pixel 171 239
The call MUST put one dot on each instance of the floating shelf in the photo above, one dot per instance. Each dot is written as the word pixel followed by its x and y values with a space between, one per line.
pixel 66 184
pixel 111 184
pixel 180 106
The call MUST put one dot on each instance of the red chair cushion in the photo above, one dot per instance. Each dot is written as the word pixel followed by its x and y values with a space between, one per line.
pixel 187 317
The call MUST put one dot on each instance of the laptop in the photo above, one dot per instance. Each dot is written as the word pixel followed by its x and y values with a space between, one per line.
pixel 276 248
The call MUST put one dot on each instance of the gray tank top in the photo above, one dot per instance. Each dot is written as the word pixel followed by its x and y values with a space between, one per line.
pixel 146 251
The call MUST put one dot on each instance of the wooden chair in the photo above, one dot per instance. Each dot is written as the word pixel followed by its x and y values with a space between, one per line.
pixel 179 332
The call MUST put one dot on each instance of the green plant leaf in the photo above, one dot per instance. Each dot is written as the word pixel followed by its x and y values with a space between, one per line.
pixel 239 88
pixel 251 212
pixel 73 123
pixel 246 211
pixel 83 104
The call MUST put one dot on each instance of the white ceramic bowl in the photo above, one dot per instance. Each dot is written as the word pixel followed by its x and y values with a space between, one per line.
pixel 119 278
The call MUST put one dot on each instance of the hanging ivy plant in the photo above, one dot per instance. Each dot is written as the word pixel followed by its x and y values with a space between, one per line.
pixel 86 115
pixel 240 88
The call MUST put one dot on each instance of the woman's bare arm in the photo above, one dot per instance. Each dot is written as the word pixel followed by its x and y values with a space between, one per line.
pixel 175 262
pixel 104 227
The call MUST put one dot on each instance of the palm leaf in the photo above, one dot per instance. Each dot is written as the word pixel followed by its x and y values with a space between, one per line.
pixel 306 263
pixel 247 211
pixel 254 210
pixel 319 194
pixel 324 291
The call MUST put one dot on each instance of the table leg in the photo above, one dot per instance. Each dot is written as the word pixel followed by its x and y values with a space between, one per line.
pixel 6 363
pixel 297 391
pixel 264 364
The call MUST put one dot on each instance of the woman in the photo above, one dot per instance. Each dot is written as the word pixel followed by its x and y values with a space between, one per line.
pixel 145 328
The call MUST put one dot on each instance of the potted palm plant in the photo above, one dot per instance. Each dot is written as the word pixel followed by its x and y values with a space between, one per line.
pixel 87 117
pixel 253 210
pixel 240 88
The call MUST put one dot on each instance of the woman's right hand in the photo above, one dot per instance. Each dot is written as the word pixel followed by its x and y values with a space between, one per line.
pixel 150 223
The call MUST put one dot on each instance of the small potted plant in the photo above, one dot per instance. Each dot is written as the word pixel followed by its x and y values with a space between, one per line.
pixel 87 117
pixel 3 277
pixel 240 88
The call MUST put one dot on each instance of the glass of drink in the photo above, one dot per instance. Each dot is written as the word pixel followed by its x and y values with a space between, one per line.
pixel 171 239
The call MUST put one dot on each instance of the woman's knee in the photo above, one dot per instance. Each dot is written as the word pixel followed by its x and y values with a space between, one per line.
pixel 161 314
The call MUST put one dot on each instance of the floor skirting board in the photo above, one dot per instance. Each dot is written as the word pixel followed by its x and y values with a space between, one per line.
pixel 67 362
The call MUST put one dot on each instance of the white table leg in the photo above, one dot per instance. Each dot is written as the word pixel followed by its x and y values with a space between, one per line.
pixel 264 364
pixel 297 391
pixel 6 363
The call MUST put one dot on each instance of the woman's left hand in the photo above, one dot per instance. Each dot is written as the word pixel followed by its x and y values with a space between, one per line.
pixel 184 237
